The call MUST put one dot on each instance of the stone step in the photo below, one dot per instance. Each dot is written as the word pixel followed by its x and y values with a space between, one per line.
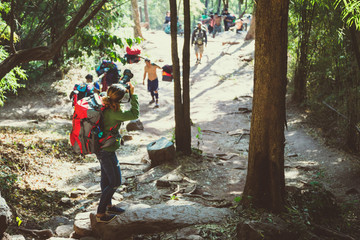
pixel 142 219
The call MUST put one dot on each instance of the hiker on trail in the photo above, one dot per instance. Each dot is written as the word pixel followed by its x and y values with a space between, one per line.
pixel 81 90
pixel 111 74
pixel 217 24
pixel 153 82
pixel 167 18
pixel 110 167
pixel 96 85
pixel 228 20
pixel 199 38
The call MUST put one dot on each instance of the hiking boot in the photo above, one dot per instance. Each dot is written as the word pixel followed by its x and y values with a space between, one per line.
pixel 156 105
pixel 152 101
pixel 197 61
pixel 115 210
pixel 106 218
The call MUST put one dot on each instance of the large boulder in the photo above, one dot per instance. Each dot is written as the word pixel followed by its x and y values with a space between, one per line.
pixel 134 125
pixel 5 216
pixel 161 151
pixel 143 219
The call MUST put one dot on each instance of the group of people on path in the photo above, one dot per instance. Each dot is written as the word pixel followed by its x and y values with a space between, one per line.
pixel 199 34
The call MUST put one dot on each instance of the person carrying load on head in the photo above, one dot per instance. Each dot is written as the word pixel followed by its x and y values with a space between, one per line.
pixel 132 55
pixel 167 73
pixel 82 90
pixel 199 38
pixel 153 82
pixel 111 74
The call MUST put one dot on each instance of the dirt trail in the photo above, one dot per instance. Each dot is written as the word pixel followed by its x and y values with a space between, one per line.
pixel 221 92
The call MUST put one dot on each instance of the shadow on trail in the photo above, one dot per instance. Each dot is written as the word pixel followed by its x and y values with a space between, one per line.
pixel 219 83
pixel 212 62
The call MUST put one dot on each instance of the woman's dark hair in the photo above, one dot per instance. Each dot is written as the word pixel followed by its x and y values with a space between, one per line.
pixel 115 93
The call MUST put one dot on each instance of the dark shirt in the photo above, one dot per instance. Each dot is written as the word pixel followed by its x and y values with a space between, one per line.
pixel 195 33
pixel 167 19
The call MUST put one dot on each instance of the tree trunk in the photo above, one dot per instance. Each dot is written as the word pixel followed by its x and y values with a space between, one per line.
pixel 146 12
pixel 239 6
pixel 141 15
pixel 219 7
pixel 251 33
pixel 226 3
pixel 302 64
pixel 48 52
pixel 265 181
pixel 186 148
pixel 206 7
pixel 352 136
pixel 135 14
pixel 176 74
pixel 179 6
pixel 181 99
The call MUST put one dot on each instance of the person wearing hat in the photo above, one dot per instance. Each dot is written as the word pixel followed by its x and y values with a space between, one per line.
pixel 113 116
pixel 199 38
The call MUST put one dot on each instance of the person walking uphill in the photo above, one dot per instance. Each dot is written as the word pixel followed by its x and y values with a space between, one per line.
pixel 198 38
pixel 110 167
pixel 153 82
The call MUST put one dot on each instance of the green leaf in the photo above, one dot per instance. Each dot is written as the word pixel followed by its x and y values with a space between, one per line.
pixel 237 199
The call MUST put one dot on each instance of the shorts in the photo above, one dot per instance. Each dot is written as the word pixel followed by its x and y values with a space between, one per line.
pixel 199 48
pixel 153 85
pixel 217 28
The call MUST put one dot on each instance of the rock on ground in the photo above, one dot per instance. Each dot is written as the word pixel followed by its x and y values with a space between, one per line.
pixel 5 216
pixel 143 218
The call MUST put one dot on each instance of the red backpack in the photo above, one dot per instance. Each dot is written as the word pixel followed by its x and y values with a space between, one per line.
pixel 87 135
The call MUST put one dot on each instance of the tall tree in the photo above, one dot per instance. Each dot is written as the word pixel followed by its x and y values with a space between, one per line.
pixel 252 31
pixel 136 17
pixel 265 181
pixel 219 7
pixel 146 12
pixel 307 9
pixel 47 52
pixel 181 93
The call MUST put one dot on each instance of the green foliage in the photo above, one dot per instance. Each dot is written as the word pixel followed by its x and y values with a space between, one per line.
pixel 10 82
pixel 7 177
pixel 41 23
pixel 351 12
pixel 330 75
pixel 238 199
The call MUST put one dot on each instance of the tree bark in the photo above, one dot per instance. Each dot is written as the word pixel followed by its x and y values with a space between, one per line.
pixel 176 75
pixel 251 33
pixel 302 66
pixel 141 15
pixel 48 52
pixel 352 136
pixel 186 148
pixel 146 12
pixel 265 181
pixel 135 13
pixel 181 97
